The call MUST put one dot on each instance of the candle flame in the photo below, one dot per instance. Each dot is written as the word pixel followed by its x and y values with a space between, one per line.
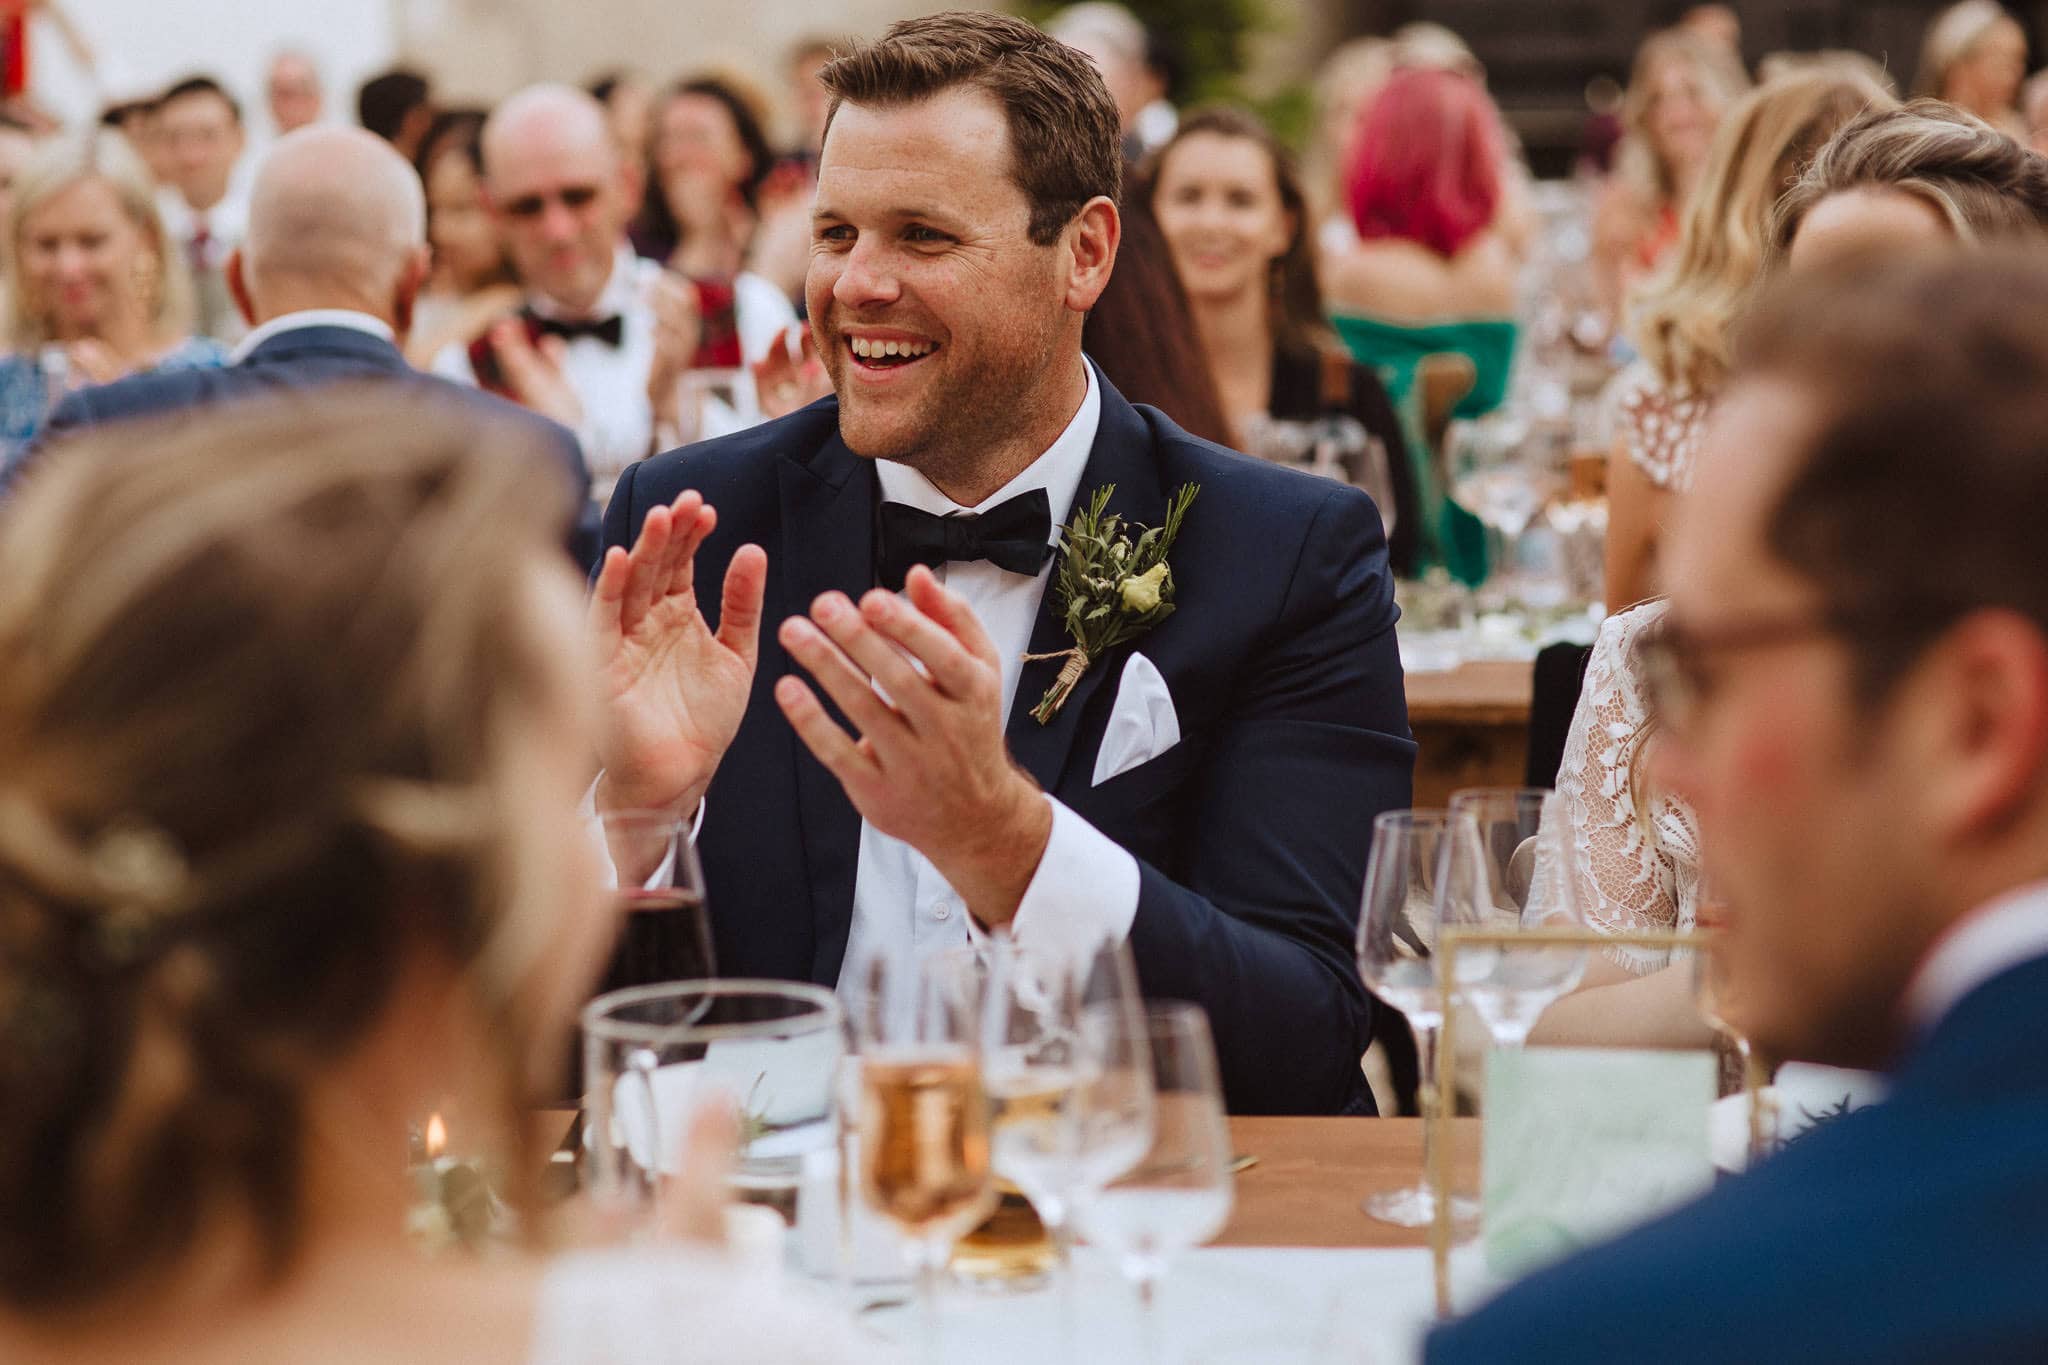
pixel 437 1137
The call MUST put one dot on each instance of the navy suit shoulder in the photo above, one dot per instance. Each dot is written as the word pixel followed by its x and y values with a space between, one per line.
pixel 1823 1253
pixel 294 361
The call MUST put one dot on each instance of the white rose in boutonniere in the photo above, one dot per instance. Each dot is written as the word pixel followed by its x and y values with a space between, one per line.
pixel 1111 588
pixel 1142 593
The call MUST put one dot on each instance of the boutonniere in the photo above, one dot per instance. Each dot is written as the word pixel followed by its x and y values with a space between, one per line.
pixel 1111 588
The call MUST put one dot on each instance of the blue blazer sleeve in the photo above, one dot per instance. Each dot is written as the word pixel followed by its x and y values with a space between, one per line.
pixel 1259 927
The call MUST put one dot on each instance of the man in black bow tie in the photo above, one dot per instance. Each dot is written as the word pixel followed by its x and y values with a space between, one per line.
pixel 604 335
pixel 872 778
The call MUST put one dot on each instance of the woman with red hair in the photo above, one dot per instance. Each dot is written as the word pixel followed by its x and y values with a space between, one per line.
pixel 1432 272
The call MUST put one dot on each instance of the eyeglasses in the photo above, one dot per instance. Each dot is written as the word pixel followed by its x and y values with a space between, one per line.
pixel 571 197
pixel 1676 660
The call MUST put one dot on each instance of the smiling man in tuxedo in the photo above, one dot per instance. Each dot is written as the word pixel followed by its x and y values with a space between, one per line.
pixel 1207 790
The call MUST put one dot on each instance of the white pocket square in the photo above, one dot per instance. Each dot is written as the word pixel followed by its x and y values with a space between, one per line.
pixel 1142 724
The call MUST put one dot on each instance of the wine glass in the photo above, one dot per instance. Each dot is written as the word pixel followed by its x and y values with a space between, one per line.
pixel 1052 1121
pixel 1510 872
pixel 1718 996
pixel 665 927
pixel 1178 1193
pixel 923 1114
pixel 1397 927
pixel 664 922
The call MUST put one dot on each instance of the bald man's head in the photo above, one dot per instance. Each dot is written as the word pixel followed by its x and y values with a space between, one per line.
pixel 546 114
pixel 559 190
pixel 336 220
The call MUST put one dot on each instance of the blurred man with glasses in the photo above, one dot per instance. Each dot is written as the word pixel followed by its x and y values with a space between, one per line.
pixel 1853 686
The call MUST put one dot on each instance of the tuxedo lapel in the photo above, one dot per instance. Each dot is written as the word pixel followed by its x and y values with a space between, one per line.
pixel 1122 455
pixel 828 542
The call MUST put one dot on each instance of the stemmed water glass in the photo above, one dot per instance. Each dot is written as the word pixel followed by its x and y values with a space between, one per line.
pixel 1714 991
pixel 923 1117
pixel 1397 928
pixel 1177 1193
pixel 1509 872
pixel 1068 1112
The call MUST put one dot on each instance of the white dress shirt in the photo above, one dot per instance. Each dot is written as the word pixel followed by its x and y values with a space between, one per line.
pixel 1989 941
pixel 1086 885
pixel 225 224
pixel 311 317
pixel 611 381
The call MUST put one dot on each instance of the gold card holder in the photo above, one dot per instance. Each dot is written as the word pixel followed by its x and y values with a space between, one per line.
pixel 1435 1110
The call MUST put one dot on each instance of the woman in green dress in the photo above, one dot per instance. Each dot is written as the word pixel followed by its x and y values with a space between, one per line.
pixel 1432 272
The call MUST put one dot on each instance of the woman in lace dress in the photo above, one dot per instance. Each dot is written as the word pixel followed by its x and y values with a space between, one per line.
pixel 1891 180
pixel 294 724
pixel 1682 322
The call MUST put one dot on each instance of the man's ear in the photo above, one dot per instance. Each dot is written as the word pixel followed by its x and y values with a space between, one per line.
pixel 1986 748
pixel 411 279
pixel 238 288
pixel 1092 240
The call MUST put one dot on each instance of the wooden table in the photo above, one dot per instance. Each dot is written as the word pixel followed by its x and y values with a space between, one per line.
pixel 1311 1174
pixel 1471 725
pixel 1305 1186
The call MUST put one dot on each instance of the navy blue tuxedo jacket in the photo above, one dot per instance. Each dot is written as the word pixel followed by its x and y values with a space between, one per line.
pixel 1912 1231
pixel 1251 834
pixel 301 358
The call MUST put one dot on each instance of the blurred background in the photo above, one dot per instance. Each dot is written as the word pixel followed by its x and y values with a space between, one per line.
pixel 1544 59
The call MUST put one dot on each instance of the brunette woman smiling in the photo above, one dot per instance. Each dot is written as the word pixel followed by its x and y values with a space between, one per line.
pixel 1229 202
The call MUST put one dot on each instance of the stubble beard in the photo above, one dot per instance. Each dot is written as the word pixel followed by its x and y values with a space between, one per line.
pixel 975 427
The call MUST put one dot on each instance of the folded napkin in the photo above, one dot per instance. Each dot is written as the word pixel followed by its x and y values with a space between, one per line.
pixel 1142 724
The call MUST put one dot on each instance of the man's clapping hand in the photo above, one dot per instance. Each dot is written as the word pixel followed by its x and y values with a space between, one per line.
pixel 674 690
pixel 533 372
pixel 930 766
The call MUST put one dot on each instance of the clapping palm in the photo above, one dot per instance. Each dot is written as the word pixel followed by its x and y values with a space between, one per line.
pixel 674 690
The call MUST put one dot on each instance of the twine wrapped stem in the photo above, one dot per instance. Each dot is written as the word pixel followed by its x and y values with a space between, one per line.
pixel 1077 662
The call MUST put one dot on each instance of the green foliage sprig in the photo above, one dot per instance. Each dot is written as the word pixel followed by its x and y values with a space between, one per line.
pixel 1110 588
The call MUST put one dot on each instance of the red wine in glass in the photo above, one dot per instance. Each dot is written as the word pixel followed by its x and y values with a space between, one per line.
pixel 664 935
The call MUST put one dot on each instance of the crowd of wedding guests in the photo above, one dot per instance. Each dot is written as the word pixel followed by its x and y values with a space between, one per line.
pixel 303 710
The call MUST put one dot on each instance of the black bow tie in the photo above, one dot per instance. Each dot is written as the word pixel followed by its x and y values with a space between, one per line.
pixel 611 331
pixel 1014 535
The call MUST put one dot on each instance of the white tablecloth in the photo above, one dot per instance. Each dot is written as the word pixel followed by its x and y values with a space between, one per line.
pixel 1225 1306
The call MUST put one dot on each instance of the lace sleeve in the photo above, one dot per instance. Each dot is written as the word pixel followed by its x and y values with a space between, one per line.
pixel 1625 875
pixel 1663 429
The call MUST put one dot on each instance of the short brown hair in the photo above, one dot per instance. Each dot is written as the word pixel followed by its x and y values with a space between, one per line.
pixel 1928 380
pixel 1065 137
pixel 257 670
pixel 1982 183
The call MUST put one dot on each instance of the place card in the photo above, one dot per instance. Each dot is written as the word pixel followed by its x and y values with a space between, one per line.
pixel 1583 1143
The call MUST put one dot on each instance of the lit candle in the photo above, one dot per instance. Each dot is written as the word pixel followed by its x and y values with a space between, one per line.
pixel 437 1139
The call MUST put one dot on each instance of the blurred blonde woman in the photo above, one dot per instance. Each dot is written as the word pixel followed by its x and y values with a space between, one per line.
pixel 99 291
pixel 1894 179
pixel 1680 87
pixel 295 714
pixel 1681 321
pixel 1975 57
pixel 1926 171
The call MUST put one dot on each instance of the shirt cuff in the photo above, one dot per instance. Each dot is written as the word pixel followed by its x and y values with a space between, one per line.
pixel 665 873
pixel 1084 893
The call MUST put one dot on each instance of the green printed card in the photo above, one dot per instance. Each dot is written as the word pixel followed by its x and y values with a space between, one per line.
pixel 1583 1143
